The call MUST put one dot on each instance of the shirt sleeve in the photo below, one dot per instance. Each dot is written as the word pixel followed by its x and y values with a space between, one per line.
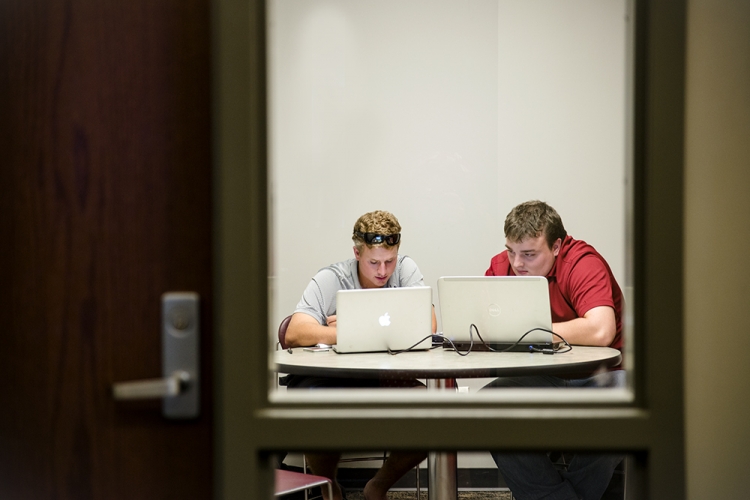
pixel 489 271
pixel 409 273
pixel 497 266
pixel 319 298
pixel 589 285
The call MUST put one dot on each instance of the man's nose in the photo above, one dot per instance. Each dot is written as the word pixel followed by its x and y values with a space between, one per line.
pixel 517 262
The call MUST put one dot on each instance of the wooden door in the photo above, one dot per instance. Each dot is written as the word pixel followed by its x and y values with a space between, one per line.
pixel 105 203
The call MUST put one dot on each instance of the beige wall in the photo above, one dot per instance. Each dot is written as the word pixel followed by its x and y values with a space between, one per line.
pixel 717 264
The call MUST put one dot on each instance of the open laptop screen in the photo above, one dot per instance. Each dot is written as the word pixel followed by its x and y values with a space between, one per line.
pixel 380 319
pixel 503 309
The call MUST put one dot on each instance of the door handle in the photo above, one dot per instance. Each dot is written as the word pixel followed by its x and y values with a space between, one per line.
pixel 179 386
pixel 152 388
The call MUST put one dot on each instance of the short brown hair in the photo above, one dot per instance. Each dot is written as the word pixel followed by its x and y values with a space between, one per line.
pixel 380 222
pixel 532 219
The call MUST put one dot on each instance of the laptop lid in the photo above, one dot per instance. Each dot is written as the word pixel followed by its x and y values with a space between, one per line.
pixel 379 319
pixel 503 308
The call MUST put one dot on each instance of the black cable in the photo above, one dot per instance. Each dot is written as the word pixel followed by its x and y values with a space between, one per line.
pixel 412 347
pixel 470 345
pixel 533 349
pixel 550 351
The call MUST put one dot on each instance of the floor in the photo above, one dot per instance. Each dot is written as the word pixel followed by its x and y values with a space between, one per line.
pixel 412 495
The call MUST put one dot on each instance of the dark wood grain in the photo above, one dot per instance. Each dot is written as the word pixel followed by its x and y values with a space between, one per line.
pixel 105 194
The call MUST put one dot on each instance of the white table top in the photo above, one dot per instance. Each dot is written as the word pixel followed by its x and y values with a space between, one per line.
pixel 441 363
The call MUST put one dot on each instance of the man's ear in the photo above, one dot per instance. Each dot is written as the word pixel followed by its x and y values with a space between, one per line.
pixel 556 246
pixel 356 252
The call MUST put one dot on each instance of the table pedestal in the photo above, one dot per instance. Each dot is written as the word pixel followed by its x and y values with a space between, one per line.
pixel 442 466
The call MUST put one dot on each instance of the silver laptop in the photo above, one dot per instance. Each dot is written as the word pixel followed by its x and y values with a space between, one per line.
pixel 503 308
pixel 379 319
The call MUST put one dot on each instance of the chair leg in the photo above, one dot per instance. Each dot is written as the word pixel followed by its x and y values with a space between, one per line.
pixel 304 469
pixel 419 490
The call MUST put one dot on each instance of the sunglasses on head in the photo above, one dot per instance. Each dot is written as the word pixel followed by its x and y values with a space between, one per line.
pixel 377 239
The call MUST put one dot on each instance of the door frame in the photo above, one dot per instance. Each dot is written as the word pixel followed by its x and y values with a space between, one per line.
pixel 651 428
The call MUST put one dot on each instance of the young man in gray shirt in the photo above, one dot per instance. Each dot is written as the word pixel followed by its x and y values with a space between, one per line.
pixel 376 264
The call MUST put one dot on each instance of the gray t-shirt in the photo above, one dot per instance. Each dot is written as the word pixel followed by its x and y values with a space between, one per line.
pixel 319 298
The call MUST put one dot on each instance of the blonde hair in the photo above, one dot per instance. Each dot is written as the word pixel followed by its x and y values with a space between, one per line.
pixel 380 222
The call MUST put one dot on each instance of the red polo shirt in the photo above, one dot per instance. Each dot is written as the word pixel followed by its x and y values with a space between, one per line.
pixel 580 279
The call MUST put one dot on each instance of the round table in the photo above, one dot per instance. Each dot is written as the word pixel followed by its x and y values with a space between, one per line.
pixel 443 363
pixel 439 366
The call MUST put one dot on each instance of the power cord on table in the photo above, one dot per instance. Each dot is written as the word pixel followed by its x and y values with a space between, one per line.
pixel 488 347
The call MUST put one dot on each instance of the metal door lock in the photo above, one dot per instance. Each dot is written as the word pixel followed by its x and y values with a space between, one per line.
pixel 180 338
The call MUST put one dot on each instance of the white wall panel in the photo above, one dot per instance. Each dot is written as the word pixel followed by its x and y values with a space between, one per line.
pixel 446 113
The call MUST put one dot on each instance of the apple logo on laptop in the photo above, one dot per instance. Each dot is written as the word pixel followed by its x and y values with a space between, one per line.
pixel 385 320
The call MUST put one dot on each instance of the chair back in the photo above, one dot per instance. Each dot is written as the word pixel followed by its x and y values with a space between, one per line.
pixel 282 331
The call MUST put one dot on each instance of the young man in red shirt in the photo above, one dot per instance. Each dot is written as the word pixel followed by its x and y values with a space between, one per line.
pixel 587 309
